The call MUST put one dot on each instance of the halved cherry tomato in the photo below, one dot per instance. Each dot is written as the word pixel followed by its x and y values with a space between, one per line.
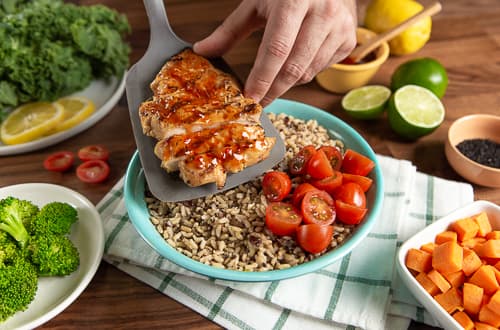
pixel 276 186
pixel 351 193
pixel 93 171
pixel 314 238
pixel 93 152
pixel 349 214
pixel 319 166
pixel 318 207
pixel 300 191
pixel 59 162
pixel 364 181
pixel 298 163
pixel 282 218
pixel 334 156
pixel 356 163
pixel 329 184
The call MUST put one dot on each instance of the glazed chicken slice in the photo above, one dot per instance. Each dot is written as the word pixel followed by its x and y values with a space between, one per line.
pixel 214 165
pixel 189 94
pixel 175 148
pixel 205 126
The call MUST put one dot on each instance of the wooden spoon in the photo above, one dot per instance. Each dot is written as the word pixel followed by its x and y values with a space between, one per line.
pixel 364 49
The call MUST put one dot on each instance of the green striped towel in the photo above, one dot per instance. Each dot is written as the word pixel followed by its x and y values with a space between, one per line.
pixel 361 290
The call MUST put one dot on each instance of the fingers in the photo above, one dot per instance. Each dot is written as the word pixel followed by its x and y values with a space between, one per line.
pixel 304 57
pixel 237 26
pixel 277 42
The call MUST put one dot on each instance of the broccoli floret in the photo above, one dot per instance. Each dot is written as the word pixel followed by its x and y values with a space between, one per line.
pixel 15 217
pixel 54 255
pixel 54 218
pixel 18 280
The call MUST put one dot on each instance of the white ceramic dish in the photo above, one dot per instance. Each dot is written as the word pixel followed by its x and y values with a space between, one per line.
pixel 56 293
pixel 427 235
pixel 105 96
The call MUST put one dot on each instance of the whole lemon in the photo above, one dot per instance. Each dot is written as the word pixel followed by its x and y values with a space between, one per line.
pixel 382 15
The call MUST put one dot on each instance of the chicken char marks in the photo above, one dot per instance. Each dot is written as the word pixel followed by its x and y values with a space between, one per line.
pixel 204 125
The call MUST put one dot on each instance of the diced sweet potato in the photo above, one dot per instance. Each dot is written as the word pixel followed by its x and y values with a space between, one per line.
pixel 484 225
pixel 418 260
pixel 456 279
pixel 472 242
pixel 493 235
pixel 450 300
pixel 471 262
pixel 464 320
pixel 494 303
pixel 489 249
pixel 445 236
pixel 473 298
pixel 483 326
pixel 465 228
pixel 447 257
pixel 488 316
pixel 427 284
pixel 486 279
pixel 428 247
pixel 439 280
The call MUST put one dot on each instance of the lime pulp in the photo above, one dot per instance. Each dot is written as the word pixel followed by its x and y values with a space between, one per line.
pixel 367 102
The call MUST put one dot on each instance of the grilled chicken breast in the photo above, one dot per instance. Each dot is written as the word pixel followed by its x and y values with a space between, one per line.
pixel 189 94
pixel 204 125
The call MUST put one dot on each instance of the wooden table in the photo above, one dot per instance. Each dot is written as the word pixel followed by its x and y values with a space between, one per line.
pixel 465 38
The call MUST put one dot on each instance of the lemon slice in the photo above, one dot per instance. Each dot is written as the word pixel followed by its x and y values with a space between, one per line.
pixel 76 110
pixel 30 122
pixel 367 102
pixel 415 111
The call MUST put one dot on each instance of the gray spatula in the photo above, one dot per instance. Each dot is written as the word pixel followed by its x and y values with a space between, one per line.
pixel 163 44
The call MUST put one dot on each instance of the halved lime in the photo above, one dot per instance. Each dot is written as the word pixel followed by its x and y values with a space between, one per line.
pixel 415 111
pixel 367 102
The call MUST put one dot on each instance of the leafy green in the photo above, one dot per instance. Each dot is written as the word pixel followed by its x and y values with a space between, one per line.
pixel 50 49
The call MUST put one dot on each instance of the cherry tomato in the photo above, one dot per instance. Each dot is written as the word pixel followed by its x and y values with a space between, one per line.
pixel 318 207
pixel 276 186
pixel 300 191
pixel 334 156
pixel 351 193
pixel 59 162
pixel 356 163
pixel 282 218
pixel 329 184
pixel 93 171
pixel 298 164
pixel 314 238
pixel 93 152
pixel 319 166
pixel 364 181
pixel 349 214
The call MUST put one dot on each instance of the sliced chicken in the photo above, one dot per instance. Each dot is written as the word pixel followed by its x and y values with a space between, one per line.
pixel 205 126
pixel 189 94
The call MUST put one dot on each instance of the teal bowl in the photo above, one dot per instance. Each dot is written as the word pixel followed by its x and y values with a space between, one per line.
pixel 135 184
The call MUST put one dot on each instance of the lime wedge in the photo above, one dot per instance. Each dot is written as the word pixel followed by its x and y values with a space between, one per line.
pixel 415 111
pixel 367 102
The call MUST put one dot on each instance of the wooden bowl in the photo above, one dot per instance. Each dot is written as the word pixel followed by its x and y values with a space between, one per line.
pixel 478 126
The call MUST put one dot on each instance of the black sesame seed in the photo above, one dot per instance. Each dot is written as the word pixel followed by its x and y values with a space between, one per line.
pixel 482 151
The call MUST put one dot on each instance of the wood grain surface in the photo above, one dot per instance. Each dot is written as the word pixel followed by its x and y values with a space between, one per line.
pixel 465 38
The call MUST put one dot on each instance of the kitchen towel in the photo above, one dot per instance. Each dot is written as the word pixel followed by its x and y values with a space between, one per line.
pixel 362 290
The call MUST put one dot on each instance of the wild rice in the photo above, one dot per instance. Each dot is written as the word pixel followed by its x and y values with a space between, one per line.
pixel 227 230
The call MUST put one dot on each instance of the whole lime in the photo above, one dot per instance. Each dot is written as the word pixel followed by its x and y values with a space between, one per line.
pixel 425 72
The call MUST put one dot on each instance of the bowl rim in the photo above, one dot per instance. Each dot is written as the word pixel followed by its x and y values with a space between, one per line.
pixel 460 155
pixel 134 188
pixel 368 65
pixel 431 305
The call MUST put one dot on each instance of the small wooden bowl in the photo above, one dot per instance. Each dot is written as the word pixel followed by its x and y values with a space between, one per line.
pixel 473 127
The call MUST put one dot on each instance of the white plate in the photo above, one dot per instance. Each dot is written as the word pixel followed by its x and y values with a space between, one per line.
pixel 427 235
pixel 56 293
pixel 105 96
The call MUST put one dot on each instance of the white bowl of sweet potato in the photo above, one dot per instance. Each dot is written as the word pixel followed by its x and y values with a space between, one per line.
pixel 452 267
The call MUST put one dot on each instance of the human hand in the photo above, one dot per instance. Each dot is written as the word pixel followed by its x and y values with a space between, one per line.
pixel 301 38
